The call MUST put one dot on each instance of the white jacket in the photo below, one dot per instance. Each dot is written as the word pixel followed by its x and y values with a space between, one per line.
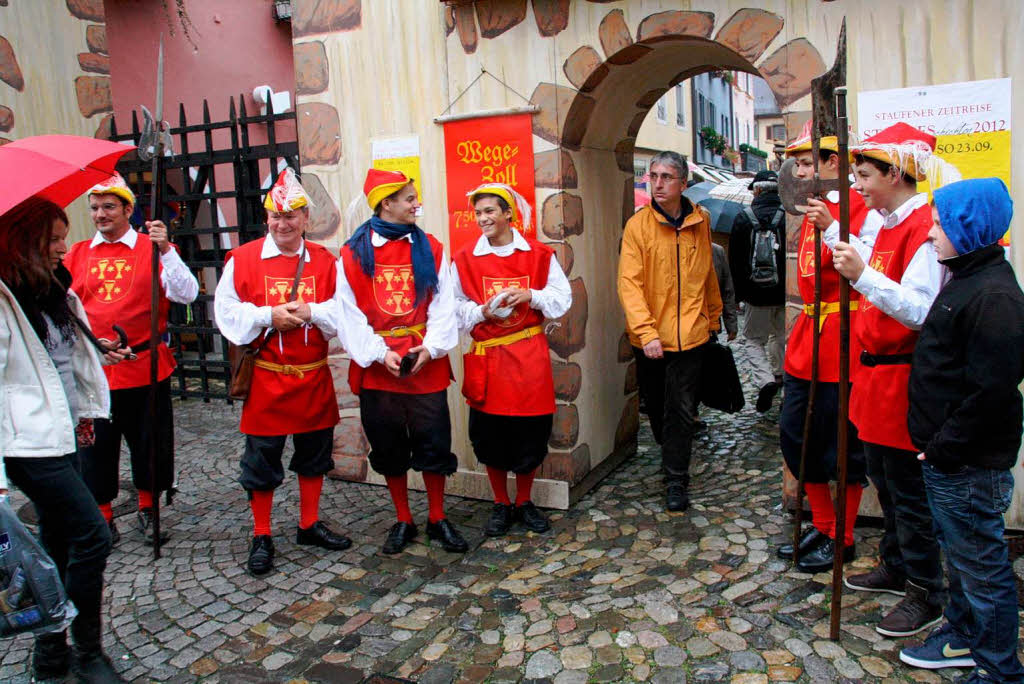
pixel 35 418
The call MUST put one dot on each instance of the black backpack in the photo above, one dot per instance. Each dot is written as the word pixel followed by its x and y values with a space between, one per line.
pixel 764 270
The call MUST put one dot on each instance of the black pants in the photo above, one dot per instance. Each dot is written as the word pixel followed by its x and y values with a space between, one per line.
pixel 669 387
pixel 261 461
pixel 822 449
pixel 408 431
pixel 71 527
pixel 510 443
pixel 129 417
pixel 908 547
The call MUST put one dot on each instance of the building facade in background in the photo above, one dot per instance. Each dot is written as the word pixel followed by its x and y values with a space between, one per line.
pixel 667 127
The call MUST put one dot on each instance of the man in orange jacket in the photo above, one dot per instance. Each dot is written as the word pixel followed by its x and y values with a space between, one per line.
pixel 669 292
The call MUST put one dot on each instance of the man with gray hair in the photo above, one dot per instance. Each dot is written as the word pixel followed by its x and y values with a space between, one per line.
pixel 757 259
pixel 669 293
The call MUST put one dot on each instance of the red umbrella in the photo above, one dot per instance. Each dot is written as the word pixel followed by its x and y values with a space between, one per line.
pixel 55 167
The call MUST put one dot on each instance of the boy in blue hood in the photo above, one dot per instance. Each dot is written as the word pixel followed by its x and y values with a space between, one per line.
pixel 965 416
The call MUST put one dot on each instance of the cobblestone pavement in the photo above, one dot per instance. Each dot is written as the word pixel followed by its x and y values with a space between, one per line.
pixel 619 590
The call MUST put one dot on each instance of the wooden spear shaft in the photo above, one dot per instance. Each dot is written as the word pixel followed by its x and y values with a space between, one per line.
pixel 842 446
pixel 156 190
pixel 812 391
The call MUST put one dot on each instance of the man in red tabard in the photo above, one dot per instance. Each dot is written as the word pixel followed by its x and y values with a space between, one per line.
pixel 505 286
pixel 397 321
pixel 898 279
pixel 816 547
pixel 111 274
pixel 292 388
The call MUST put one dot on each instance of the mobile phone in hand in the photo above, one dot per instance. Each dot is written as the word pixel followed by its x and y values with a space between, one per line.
pixel 408 361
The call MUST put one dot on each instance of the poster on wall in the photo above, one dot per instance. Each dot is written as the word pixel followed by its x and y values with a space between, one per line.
pixel 399 154
pixel 970 121
pixel 497 149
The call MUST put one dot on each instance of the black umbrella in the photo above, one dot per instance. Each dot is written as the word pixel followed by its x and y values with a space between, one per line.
pixel 723 213
pixel 698 192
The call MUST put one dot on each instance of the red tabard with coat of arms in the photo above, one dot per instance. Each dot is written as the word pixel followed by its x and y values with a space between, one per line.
pixel 282 404
pixel 519 381
pixel 114 283
pixel 800 343
pixel 389 301
pixel 878 401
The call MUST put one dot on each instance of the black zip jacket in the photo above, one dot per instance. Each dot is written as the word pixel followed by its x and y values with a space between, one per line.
pixel 763 206
pixel 965 405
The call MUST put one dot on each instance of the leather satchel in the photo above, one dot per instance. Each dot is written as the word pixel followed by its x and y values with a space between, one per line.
pixel 720 386
pixel 242 357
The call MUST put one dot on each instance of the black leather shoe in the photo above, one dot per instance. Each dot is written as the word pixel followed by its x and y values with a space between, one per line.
pixel 444 532
pixel 145 517
pixel 820 558
pixel 51 657
pixel 500 520
pixel 95 669
pixel 321 535
pixel 766 396
pixel 809 540
pixel 115 536
pixel 532 518
pixel 677 498
pixel 400 536
pixel 261 555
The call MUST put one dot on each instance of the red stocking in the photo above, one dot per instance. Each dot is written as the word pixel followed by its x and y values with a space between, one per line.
pixel 524 487
pixel 823 513
pixel 309 500
pixel 853 494
pixel 261 503
pixel 499 483
pixel 398 485
pixel 435 495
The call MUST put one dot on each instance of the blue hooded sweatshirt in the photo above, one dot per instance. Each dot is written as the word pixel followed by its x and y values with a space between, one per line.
pixel 965 405
pixel 975 213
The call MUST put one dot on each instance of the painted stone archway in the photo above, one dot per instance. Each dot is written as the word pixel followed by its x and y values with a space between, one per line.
pixel 590 172
pixel 591 69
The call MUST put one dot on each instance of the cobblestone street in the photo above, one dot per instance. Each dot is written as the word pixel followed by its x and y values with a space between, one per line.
pixel 619 590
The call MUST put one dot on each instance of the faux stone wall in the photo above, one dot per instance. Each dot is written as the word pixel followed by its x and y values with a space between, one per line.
pixel 54 80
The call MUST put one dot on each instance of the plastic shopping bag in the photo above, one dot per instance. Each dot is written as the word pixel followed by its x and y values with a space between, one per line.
pixel 32 597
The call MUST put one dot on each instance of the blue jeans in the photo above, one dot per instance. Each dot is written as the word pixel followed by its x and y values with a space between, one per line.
pixel 967 507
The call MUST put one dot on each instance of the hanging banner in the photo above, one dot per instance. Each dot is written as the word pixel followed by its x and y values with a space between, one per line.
pixel 970 121
pixel 497 149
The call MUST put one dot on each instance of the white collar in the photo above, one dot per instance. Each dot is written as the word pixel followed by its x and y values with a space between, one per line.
pixel 271 250
pixel 378 240
pixel 129 238
pixel 893 219
pixel 483 246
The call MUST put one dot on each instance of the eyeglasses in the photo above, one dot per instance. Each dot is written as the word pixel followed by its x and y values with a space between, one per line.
pixel 105 207
pixel 656 177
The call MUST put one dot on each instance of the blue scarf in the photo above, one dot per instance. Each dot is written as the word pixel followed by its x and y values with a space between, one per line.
pixel 424 272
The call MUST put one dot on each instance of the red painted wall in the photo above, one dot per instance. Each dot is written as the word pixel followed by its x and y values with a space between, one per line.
pixel 233 46
pixel 237 46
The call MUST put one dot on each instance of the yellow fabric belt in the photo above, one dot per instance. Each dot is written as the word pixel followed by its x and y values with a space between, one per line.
pixel 287 369
pixel 526 333
pixel 826 309
pixel 403 331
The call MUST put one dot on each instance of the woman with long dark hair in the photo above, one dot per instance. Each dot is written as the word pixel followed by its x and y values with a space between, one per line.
pixel 50 376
